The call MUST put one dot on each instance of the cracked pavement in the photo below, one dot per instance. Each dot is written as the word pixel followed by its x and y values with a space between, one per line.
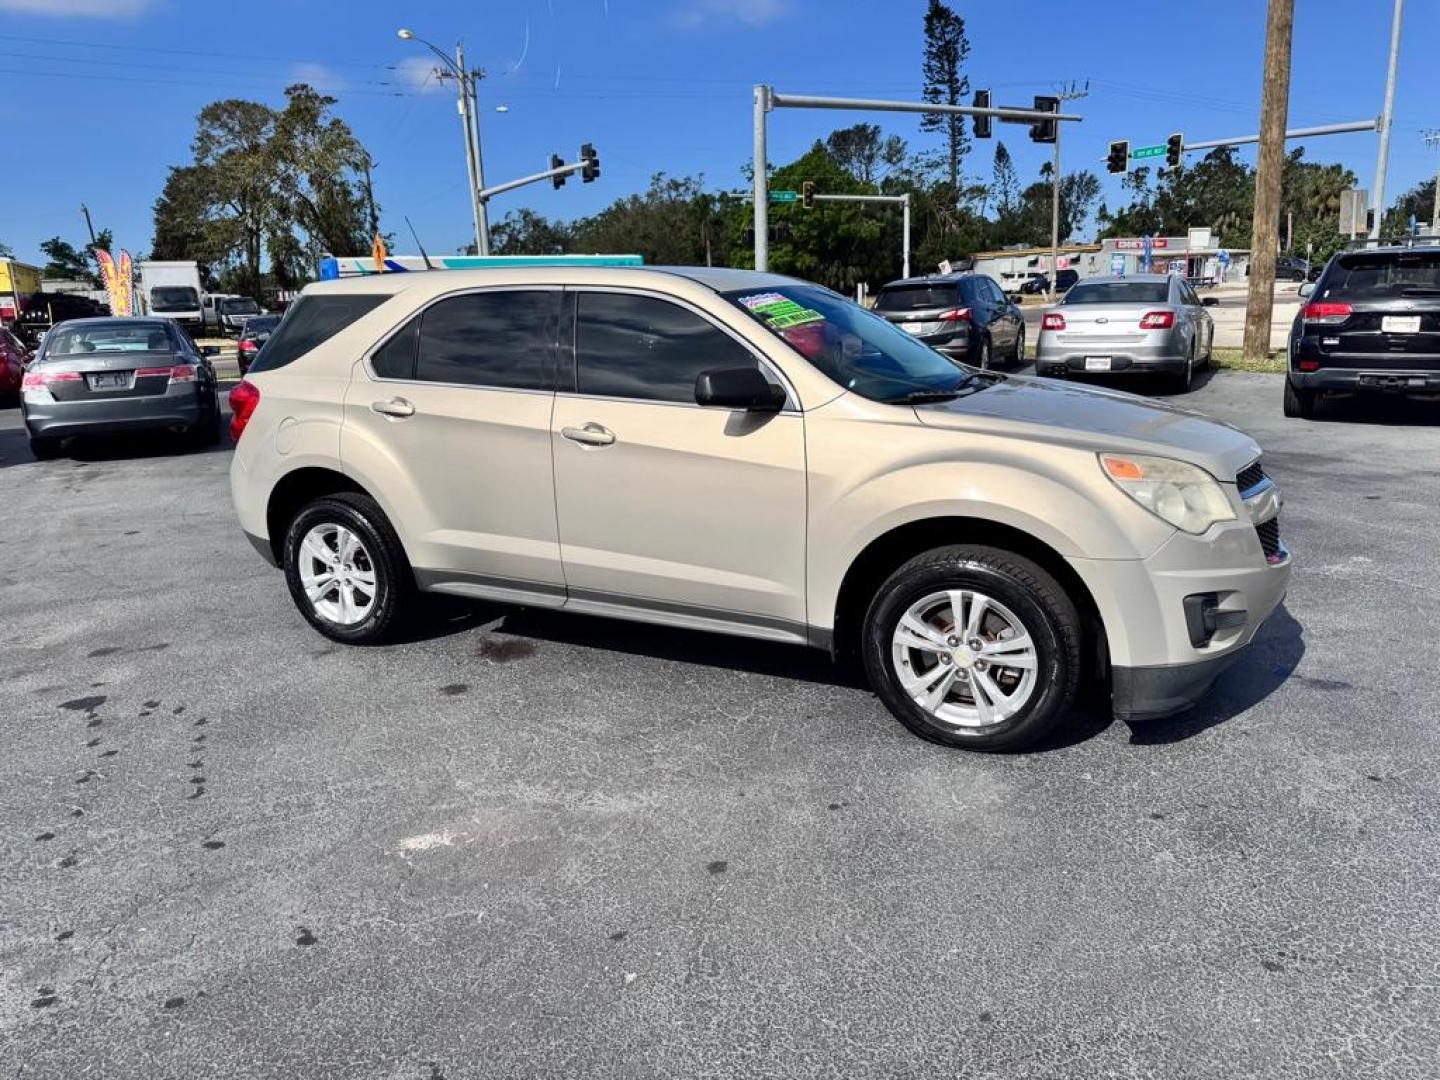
pixel 546 846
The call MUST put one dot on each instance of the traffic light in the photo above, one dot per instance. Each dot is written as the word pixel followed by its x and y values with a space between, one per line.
pixel 1044 130
pixel 807 194
pixel 1174 151
pixel 982 123
pixel 559 178
pixel 592 163
pixel 1119 159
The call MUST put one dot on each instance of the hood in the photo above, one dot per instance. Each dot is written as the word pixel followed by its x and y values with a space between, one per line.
pixel 1097 419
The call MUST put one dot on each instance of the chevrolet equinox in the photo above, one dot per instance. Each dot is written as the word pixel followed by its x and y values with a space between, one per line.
pixel 745 453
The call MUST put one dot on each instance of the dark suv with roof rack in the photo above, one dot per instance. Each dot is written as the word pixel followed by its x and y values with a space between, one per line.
pixel 1370 323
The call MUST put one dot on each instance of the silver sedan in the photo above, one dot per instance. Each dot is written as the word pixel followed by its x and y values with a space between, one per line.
pixel 1140 324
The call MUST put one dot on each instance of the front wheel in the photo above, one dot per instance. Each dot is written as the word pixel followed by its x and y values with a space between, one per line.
pixel 974 647
pixel 347 571
pixel 1299 404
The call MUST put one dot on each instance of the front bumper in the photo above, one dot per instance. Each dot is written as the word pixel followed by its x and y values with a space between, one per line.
pixel 181 406
pixel 1054 357
pixel 1159 664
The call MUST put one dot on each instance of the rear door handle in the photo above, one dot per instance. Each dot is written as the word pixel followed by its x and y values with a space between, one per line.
pixel 394 407
pixel 592 434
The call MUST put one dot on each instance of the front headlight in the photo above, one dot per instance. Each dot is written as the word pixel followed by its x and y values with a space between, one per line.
pixel 1176 492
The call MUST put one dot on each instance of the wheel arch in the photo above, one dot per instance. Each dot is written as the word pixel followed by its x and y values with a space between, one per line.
pixel 887 552
pixel 295 490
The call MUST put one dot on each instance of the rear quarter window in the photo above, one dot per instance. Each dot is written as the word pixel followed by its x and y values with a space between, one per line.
pixel 311 321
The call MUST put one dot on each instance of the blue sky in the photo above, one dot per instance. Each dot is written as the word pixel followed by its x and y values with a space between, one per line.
pixel 101 95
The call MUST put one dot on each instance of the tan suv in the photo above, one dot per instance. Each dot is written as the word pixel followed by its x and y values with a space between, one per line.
pixel 749 454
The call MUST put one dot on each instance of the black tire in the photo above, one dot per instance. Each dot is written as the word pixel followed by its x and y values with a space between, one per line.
pixel 1026 589
pixel 1182 382
pixel 1299 404
pixel 982 354
pixel 45 448
pixel 1017 355
pixel 207 432
pixel 394 597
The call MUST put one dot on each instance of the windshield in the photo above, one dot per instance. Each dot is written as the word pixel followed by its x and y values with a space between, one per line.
pixel 853 347
pixel 1380 275
pixel 116 337
pixel 915 297
pixel 174 298
pixel 240 307
pixel 1119 292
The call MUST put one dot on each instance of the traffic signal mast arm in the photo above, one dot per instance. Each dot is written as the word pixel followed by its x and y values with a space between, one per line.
pixel 588 165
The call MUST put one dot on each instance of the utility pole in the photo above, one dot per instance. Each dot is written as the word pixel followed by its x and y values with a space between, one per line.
pixel 1274 110
pixel 1065 93
pixel 469 107
pixel 1387 117
pixel 1432 140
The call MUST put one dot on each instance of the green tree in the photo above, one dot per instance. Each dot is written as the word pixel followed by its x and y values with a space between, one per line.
pixel 5 252
pixel 864 153
pixel 667 224
pixel 524 232
pixel 1005 185
pixel 946 50
pixel 1419 200
pixel 69 263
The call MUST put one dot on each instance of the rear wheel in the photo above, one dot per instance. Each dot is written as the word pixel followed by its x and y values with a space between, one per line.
pixel 207 432
pixel 45 448
pixel 983 360
pixel 347 571
pixel 1299 403
pixel 1184 380
pixel 1018 355
pixel 974 647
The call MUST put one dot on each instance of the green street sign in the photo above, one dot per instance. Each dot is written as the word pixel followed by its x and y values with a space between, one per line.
pixel 1147 152
pixel 791 196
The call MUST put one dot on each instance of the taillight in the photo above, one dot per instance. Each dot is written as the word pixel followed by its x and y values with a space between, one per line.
pixel 1327 311
pixel 247 345
pixel 178 373
pixel 959 314
pixel 1308 365
pixel 1053 321
pixel 40 380
pixel 243 399
pixel 1158 320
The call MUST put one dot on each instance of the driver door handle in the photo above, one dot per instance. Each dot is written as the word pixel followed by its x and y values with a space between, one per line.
pixel 592 434
pixel 394 407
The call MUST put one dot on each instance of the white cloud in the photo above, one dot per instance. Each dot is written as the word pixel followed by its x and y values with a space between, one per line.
pixel 417 73
pixel 317 75
pixel 748 12
pixel 101 9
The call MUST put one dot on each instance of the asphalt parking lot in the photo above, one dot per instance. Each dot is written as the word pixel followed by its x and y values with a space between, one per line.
pixel 532 845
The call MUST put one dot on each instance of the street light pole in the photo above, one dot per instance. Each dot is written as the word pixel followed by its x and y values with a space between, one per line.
pixel 1432 140
pixel 470 121
pixel 1386 118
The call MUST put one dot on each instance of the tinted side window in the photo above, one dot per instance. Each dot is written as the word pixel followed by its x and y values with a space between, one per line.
pixel 643 347
pixel 310 321
pixel 396 358
pixel 499 339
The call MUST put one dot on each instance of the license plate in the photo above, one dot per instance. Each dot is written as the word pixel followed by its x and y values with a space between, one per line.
pixel 1097 363
pixel 117 380
pixel 912 327
pixel 1400 324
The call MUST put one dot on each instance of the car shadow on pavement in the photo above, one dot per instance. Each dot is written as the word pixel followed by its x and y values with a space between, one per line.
pixel 683 646
pixel 1270 659
pixel 1392 410
pixel 15 448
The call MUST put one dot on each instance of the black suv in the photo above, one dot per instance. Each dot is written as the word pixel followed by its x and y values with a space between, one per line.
pixel 965 316
pixel 1371 322
pixel 1039 284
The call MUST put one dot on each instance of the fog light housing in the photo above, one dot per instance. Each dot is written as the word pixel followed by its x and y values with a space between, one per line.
pixel 1203 617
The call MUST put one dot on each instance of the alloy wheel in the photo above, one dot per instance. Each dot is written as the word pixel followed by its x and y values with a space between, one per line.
pixel 965 658
pixel 338 574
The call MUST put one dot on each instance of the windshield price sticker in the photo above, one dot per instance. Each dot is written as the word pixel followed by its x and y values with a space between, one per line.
pixel 781 313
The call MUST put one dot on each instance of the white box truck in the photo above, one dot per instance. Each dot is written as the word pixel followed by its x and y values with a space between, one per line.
pixel 172 289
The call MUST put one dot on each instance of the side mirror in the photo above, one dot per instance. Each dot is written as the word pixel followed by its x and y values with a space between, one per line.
pixel 1307 288
pixel 1210 301
pixel 738 388
pixel 209 350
